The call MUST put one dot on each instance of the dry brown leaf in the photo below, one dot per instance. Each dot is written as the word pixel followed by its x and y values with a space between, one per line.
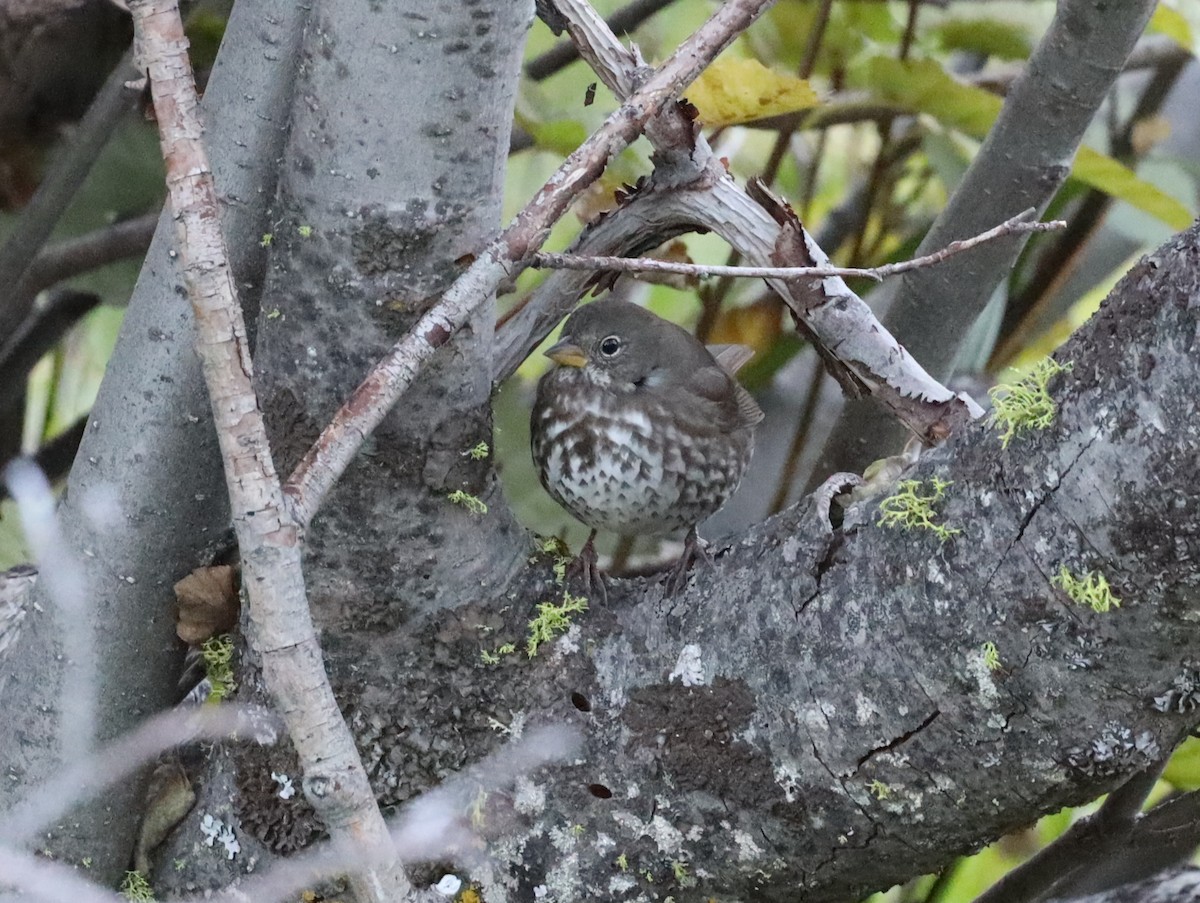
pixel 207 603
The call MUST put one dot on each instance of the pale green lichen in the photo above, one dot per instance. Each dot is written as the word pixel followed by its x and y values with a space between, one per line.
pixel 553 619
pixel 479 452
pixel 472 503
pixel 266 240
pixel 1091 589
pixel 556 548
pixel 217 653
pixel 305 231
pixel 493 656
pixel 623 862
pixel 910 507
pixel 879 790
pixel 991 656
pixel 1026 405
pixel 679 869
pixel 136 887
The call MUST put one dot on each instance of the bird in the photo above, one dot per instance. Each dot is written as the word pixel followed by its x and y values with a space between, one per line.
pixel 640 428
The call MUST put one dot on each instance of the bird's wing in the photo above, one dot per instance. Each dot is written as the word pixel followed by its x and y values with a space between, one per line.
pixel 712 384
pixel 731 358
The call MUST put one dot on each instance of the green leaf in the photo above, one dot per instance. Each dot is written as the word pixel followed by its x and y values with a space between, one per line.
pixel 561 136
pixel 1116 180
pixel 923 86
pixel 990 37
pixel 734 90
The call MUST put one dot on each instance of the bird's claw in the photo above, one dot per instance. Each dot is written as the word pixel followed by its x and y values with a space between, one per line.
pixel 694 549
pixel 586 566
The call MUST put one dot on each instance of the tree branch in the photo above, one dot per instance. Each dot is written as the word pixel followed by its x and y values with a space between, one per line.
pixel 1088 841
pixel 82 254
pixel 562 54
pixel 1023 161
pixel 269 541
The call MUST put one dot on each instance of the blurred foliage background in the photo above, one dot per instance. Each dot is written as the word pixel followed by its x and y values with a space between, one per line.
pixel 863 113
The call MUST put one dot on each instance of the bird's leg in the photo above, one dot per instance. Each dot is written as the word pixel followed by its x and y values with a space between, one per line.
pixel 587 566
pixel 693 549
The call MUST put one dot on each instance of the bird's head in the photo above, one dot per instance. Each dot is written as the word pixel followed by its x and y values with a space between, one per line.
pixel 620 344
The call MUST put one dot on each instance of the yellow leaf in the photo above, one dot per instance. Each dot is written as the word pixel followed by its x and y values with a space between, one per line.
pixel 731 91
pixel 1173 24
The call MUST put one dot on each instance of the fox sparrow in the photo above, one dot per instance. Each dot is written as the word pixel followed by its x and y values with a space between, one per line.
pixel 640 429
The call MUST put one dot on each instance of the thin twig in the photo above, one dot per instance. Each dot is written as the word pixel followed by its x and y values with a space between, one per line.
pixel 505 257
pixel 1016 225
pixel 82 780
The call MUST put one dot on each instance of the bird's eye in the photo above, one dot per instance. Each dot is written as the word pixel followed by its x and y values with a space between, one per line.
pixel 610 346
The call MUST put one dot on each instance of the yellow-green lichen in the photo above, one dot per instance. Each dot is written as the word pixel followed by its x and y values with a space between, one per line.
pixel 136 887
pixel 1091 589
pixel 552 619
pixel 472 503
pixel 479 452
pixel 217 653
pixel 1026 405
pixel 305 231
pixel 991 656
pixel 623 862
pixel 910 507
pixel 879 790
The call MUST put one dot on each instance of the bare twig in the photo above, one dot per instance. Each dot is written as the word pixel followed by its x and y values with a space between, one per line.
pixel 40 332
pixel 505 257
pixel 56 191
pixel 283 633
pixel 1016 225
pixel 690 187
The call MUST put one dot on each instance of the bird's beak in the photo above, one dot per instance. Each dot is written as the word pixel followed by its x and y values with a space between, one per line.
pixel 567 353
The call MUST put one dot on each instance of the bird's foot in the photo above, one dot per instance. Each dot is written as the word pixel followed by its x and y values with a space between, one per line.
pixel 586 566
pixel 694 549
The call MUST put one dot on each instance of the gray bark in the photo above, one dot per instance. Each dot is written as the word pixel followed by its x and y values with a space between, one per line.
pixel 150 448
